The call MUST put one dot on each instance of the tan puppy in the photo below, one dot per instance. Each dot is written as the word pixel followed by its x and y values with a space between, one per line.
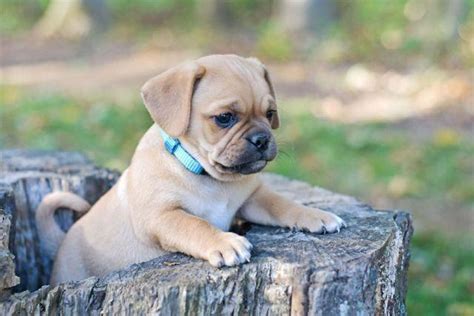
pixel 222 108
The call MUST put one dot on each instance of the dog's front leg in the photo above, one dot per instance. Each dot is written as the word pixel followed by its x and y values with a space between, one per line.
pixel 269 208
pixel 178 230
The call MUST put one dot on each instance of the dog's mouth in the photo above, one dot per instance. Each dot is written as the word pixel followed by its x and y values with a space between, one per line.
pixel 245 168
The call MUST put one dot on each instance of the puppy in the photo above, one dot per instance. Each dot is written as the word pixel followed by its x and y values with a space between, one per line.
pixel 192 173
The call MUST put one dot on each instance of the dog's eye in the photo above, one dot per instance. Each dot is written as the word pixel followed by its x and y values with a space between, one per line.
pixel 270 114
pixel 225 120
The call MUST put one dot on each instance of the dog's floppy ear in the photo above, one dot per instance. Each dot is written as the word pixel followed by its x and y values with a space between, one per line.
pixel 275 119
pixel 168 97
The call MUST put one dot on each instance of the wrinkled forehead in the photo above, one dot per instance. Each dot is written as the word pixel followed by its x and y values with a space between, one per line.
pixel 229 78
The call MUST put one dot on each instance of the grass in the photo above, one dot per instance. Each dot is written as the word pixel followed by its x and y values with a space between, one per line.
pixel 361 160
pixel 52 122
pixel 370 157
pixel 441 277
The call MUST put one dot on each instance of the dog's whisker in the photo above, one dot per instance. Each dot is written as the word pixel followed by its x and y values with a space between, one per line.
pixel 284 154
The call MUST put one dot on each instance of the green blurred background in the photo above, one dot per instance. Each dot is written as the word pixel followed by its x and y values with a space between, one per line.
pixel 376 99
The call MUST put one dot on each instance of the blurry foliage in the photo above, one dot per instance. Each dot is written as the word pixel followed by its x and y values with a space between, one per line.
pixel 364 23
pixel 441 277
pixel 352 158
pixel 15 17
pixel 139 15
pixel 384 31
pixel 399 28
pixel 71 124
pixel 273 43
pixel 247 14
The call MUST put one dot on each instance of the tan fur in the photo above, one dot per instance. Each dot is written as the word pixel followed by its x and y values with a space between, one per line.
pixel 157 205
pixel 49 233
pixel 168 97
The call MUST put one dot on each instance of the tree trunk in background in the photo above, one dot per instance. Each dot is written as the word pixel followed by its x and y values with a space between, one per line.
pixel 361 270
pixel 455 14
pixel 72 18
pixel 305 17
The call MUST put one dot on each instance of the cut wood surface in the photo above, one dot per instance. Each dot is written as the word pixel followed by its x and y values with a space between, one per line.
pixel 361 270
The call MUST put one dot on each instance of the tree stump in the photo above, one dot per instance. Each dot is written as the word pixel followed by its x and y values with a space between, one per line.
pixel 361 270
pixel 25 178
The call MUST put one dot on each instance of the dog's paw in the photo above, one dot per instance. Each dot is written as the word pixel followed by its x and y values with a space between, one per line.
pixel 230 250
pixel 320 222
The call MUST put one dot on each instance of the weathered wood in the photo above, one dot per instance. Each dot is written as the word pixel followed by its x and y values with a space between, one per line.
pixel 26 177
pixel 360 270
pixel 8 279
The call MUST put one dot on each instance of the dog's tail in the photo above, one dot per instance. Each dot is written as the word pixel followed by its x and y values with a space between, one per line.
pixel 49 232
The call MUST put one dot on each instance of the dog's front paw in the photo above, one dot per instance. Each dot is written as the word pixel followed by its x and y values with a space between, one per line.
pixel 229 250
pixel 318 221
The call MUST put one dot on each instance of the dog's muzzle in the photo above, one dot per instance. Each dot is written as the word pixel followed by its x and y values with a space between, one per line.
pixel 260 149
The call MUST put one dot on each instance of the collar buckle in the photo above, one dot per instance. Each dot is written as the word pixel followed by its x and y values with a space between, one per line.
pixel 171 145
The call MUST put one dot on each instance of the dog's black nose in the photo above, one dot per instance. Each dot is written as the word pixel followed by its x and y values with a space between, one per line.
pixel 259 140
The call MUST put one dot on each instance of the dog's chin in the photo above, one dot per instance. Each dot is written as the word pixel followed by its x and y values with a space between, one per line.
pixel 245 168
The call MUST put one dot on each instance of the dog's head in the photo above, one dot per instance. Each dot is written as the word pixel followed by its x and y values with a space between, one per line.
pixel 222 107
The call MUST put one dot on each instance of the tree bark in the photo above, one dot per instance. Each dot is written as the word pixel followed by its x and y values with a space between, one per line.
pixel 360 270
pixel 25 178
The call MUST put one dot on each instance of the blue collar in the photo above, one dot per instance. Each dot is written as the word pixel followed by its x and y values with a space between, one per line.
pixel 174 147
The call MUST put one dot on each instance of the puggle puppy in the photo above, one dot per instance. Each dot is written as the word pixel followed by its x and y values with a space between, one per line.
pixel 193 172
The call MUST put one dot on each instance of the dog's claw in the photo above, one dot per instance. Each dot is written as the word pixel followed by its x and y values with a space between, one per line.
pixel 232 250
